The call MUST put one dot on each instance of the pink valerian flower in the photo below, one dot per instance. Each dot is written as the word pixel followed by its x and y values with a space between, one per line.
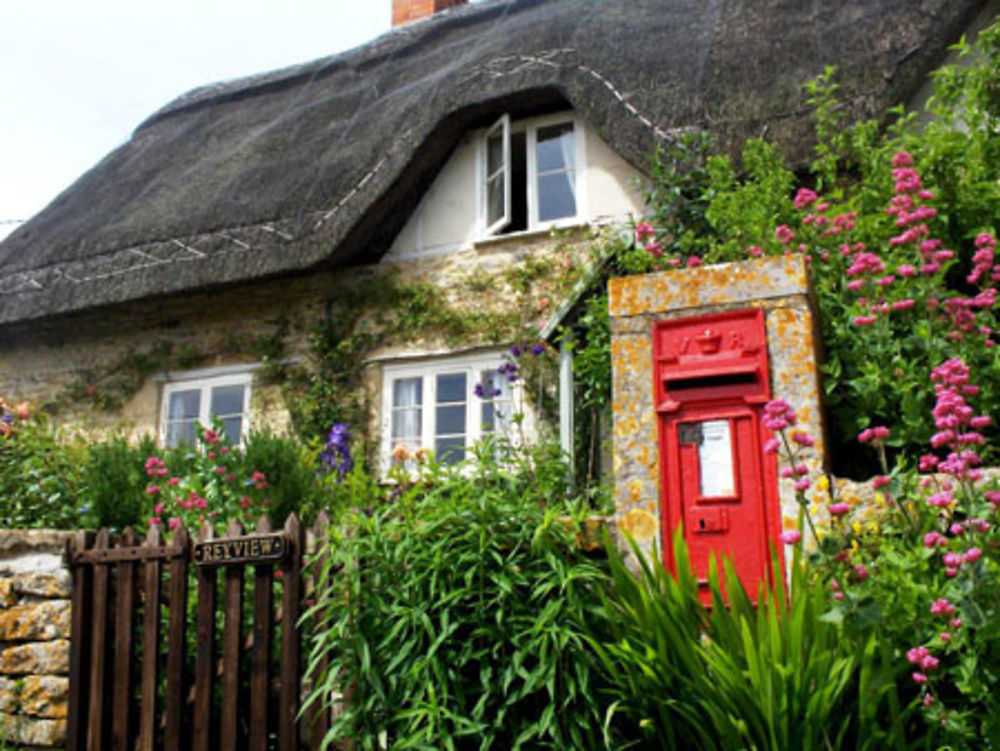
pixel 693 262
pixel 803 439
pixel 934 539
pixel 952 560
pixel 778 415
pixel 772 445
pixel 864 320
pixel 158 509
pixel 784 234
pixel 155 467
pixel 211 437
pixel 955 624
pixel 153 490
pixel 902 159
pixel 860 572
pixel 942 607
pixel 993 496
pixel 259 480
pixel 805 198
pixel 928 699
pixel 838 509
pixel 917 654
pixel 790 537
pixel 972 555
pixel 802 485
pixel 918 678
pixel 643 231
pixel 174 523
pixel 756 251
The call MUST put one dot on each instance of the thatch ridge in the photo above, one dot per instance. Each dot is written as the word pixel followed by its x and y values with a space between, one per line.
pixel 321 163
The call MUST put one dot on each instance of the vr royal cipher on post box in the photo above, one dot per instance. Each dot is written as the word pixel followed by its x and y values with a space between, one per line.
pixel 711 383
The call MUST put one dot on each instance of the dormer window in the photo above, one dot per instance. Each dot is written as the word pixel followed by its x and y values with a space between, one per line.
pixel 531 174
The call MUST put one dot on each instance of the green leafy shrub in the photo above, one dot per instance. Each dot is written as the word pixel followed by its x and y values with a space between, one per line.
pixel 455 616
pixel 40 471
pixel 114 483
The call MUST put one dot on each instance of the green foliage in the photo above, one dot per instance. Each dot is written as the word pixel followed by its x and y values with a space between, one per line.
pixel 456 618
pixel 295 481
pixel 114 483
pixel 40 472
pixel 775 675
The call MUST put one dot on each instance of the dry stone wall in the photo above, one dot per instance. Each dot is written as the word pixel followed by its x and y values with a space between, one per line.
pixel 34 639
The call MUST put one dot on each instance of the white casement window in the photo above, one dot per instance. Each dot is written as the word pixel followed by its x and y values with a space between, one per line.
pixel 444 406
pixel 531 174
pixel 188 402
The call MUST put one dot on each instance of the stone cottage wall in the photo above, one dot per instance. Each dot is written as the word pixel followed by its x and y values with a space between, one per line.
pixel 39 361
pixel 34 638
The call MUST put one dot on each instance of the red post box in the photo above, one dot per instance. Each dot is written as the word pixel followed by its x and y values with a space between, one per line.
pixel 712 381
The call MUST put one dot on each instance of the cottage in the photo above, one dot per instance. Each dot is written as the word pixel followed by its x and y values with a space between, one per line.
pixel 455 168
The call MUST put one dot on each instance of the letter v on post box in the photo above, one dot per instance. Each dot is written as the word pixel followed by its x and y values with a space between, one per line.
pixel 711 382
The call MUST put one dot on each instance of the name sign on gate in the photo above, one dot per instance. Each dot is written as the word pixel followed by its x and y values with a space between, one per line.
pixel 249 549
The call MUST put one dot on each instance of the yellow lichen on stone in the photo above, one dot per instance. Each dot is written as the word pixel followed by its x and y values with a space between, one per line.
pixel 641 525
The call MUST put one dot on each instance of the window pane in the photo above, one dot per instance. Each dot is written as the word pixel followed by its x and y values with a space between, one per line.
pixel 555 148
pixel 227 400
pixel 180 433
pixel 184 405
pixel 494 199
pixel 406 424
pixel 449 450
pixel 232 428
pixel 494 154
pixel 408 392
pixel 451 388
pixel 555 196
pixel 450 420
pixel 486 423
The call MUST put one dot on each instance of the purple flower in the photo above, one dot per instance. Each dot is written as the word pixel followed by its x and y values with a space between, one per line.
pixel 478 391
pixel 515 351
pixel 538 349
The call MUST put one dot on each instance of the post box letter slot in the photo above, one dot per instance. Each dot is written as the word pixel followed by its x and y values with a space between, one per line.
pixel 710 381
pixel 708 520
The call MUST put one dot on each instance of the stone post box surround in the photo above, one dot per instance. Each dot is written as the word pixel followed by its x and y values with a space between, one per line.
pixel 779 285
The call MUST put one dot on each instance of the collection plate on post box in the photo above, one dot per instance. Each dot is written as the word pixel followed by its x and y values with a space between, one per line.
pixel 248 549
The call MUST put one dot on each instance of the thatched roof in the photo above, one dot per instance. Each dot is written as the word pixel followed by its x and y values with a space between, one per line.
pixel 321 163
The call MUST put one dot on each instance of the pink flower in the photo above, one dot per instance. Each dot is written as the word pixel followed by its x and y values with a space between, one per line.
pixel 945 637
pixel 790 537
pixel 902 159
pixel 838 596
pixel 838 509
pixel 932 539
pixel 951 560
pixel 211 437
pixel 972 555
pixel 804 198
pixel 756 251
pixel 174 523
pixel 786 472
pixel 173 481
pixel 864 320
pixel 158 509
pixel 643 230
pixel 245 501
pixel 773 444
pixel 866 435
pixel 942 607
pixel 930 663
pixel 803 439
pixel 880 482
pixel 153 489
pixel 219 470
pixel 784 234
pixel 861 572
pixel 955 623
pixel 993 496
pixel 802 484
pixel 918 678
pixel 155 521
pixel 916 654
pixel 928 699
pixel 693 262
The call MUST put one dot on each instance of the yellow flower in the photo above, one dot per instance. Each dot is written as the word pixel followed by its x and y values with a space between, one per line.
pixel 823 484
pixel 879 499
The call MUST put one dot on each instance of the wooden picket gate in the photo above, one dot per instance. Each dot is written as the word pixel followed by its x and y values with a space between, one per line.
pixel 133 687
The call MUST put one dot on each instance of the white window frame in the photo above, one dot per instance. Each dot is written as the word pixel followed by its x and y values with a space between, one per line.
pixel 205 384
pixel 428 370
pixel 530 128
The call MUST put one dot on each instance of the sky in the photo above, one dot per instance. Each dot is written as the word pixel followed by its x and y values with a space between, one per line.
pixel 76 78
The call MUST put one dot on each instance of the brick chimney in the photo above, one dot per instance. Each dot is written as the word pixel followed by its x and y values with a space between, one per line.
pixel 404 11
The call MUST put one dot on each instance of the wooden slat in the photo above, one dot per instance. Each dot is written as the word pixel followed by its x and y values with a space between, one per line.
pixel 113 555
pixel 121 721
pixel 150 646
pixel 79 654
pixel 288 730
pixel 263 627
pixel 98 642
pixel 205 654
pixel 176 645
pixel 229 715
pixel 318 714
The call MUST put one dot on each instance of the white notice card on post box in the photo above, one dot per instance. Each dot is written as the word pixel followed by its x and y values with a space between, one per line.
pixel 715 454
